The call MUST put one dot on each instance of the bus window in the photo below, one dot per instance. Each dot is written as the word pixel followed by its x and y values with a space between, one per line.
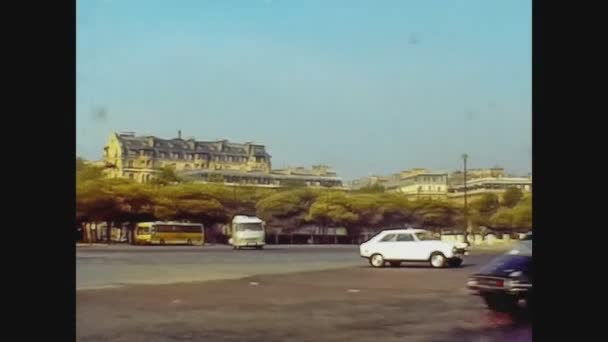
pixel 163 228
pixel 241 227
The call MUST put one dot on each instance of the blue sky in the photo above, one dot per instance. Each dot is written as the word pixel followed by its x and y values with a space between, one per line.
pixel 366 86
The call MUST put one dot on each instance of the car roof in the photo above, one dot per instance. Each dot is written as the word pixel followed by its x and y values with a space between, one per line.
pixel 403 230
pixel 246 219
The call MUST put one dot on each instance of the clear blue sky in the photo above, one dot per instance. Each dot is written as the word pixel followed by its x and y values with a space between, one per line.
pixel 366 86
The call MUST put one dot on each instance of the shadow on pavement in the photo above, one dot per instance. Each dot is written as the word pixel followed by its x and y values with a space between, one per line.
pixel 421 266
pixel 498 327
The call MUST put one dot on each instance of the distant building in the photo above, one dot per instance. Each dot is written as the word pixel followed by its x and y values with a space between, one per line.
pixel 418 183
pixel 498 185
pixel 141 157
pixel 457 177
pixel 368 181
pixel 275 178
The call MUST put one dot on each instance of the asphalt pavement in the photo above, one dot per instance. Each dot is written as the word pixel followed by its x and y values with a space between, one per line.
pixel 294 293
pixel 119 265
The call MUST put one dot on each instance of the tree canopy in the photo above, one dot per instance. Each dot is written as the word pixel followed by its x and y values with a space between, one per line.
pixel 120 200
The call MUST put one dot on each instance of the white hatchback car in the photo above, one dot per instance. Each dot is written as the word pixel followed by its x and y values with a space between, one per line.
pixel 397 245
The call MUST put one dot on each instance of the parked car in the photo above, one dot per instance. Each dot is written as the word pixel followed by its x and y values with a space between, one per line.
pixel 506 282
pixel 394 246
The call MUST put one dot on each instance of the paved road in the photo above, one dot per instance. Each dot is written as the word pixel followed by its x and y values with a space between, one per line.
pixel 112 266
pixel 295 293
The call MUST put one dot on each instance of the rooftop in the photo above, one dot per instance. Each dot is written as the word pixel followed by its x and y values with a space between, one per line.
pixel 222 146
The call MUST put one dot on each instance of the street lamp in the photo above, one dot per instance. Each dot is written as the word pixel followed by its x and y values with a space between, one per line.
pixel 466 211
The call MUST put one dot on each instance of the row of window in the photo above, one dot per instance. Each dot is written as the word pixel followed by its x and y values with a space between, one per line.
pixel 525 187
pixel 197 156
pixel 432 179
pixel 430 188
pixel 150 164
pixel 177 229
pixel 269 181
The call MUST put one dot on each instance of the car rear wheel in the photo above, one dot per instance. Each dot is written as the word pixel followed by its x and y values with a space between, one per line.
pixel 376 260
pixel 437 260
pixel 189 242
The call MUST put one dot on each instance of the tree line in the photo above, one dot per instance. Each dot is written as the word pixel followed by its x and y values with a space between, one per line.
pixel 168 197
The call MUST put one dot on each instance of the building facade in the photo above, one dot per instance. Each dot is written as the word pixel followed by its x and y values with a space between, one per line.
pixel 417 183
pixel 141 157
pixel 480 186
pixel 274 178
pixel 420 184
pixel 457 177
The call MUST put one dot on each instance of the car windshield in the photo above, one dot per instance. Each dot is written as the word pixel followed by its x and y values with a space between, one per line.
pixel 426 236
pixel 242 227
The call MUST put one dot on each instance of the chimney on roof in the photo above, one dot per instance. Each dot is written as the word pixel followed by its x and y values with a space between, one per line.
pixel 179 134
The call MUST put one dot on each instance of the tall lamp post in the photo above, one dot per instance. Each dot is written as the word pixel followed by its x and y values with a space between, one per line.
pixel 466 209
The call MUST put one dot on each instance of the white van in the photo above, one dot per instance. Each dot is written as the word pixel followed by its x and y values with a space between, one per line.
pixel 247 231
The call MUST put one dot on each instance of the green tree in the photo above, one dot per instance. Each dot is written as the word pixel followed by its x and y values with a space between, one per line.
pixel 332 208
pixel 368 208
pixel 293 183
pixel 487 204
pixel 166 176
pixel 287 208
pixel 433 214
pixel 96 202
pixel 137 204
pixel 371 189
pixel 502 219
pixel 192 202
pixel 512 197
pixel 483 209
pixel 522 215
pixel 518 217
pixel 86 172
pixel 396 210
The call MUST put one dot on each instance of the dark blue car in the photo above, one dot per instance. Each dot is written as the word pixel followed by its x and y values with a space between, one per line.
pixel 506 282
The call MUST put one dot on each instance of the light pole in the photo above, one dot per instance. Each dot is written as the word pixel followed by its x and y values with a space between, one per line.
pixel 466 209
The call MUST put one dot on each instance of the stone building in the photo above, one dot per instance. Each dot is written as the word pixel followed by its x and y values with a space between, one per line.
pixel 420 184
pixel 457 177
pixel 417 183
pixel 480 186
pixel 141 157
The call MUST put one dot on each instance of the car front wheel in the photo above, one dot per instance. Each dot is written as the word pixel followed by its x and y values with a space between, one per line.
pixel 376 260
pixel 437 260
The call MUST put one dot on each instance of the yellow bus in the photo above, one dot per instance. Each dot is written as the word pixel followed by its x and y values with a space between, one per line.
pixel 165 233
